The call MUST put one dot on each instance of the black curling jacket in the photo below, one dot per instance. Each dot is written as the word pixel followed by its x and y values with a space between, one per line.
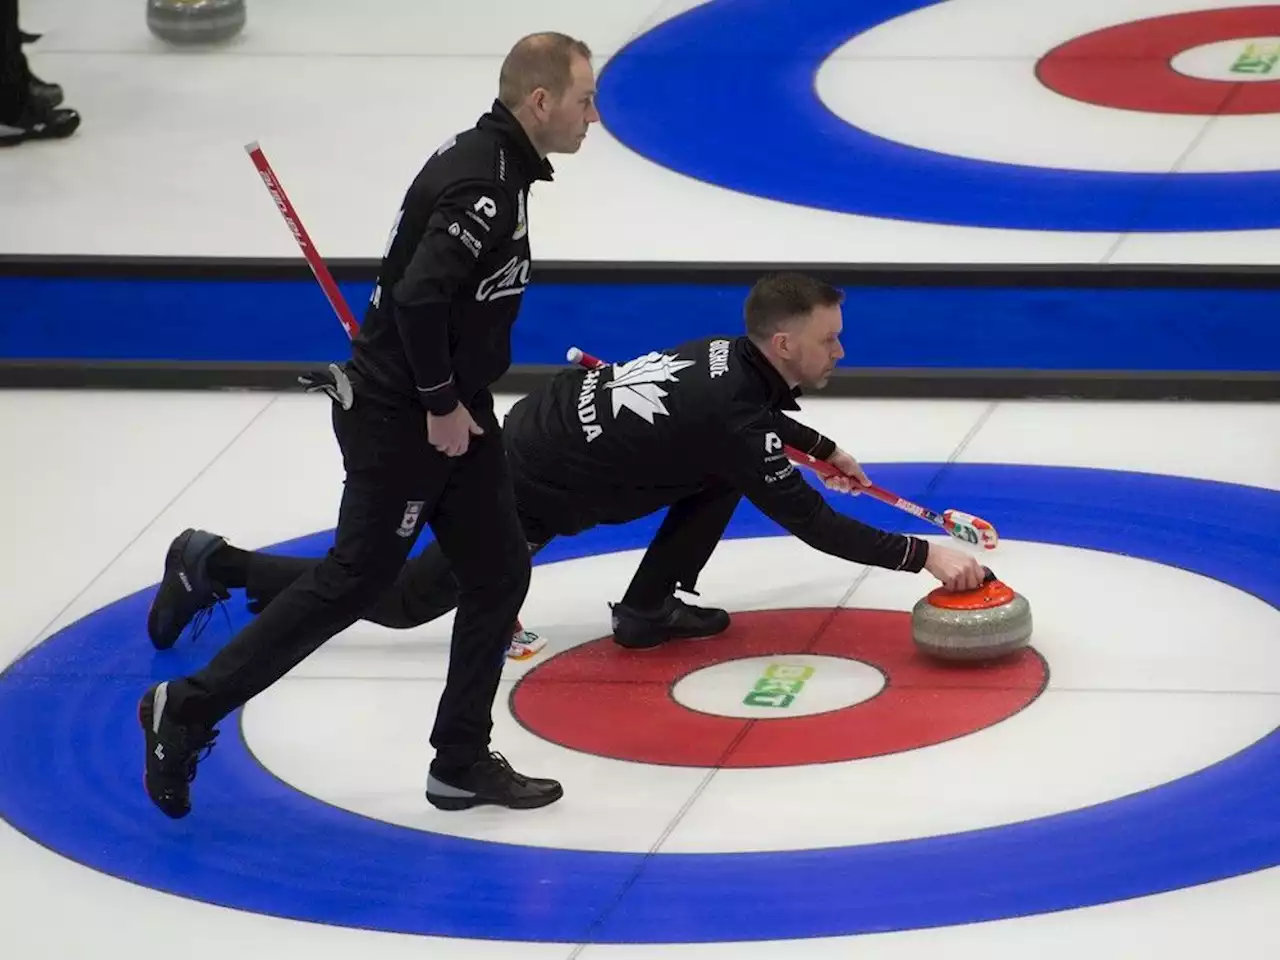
pixel 437 329
pixel 617 443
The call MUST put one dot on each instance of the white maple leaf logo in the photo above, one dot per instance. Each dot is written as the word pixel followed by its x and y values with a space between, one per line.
pixel 635 384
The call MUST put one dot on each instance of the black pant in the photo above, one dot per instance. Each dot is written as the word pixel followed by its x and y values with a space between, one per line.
pixel 396 482
pixel 682 546
pixel 426 587
pixel 15 79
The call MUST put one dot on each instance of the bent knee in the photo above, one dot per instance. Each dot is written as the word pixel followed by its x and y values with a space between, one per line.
pixel 357 581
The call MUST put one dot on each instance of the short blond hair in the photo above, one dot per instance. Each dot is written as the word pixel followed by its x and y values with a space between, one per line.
pixel 539 60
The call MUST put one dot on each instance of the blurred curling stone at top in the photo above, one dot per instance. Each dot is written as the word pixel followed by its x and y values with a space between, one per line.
pixel 195 22
pixel 972 625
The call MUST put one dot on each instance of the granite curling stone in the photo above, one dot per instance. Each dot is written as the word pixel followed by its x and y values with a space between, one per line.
pixel 972 625
pixel 189 22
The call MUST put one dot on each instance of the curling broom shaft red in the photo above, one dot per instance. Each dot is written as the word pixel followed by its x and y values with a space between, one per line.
pixel 294 223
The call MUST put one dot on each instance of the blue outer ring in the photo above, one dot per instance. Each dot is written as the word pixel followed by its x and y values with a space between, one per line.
pixel 725 93
pixel 71 756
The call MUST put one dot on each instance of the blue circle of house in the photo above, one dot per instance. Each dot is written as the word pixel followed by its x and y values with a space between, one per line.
pixel 71 757
pixel 726 94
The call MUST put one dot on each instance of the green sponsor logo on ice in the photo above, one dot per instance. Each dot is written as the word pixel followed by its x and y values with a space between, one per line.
pixel 779 686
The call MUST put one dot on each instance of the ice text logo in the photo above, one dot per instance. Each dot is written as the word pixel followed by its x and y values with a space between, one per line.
pixel 779 686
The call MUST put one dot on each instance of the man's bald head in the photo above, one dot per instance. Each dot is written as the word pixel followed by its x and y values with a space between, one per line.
pixel 540 60
pixel 548 84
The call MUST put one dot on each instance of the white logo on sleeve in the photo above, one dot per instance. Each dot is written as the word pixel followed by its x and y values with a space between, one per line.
pixel 486 206
pixel 508 280
pixel 772 451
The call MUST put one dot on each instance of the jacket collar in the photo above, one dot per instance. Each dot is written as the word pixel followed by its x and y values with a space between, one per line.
pixel 504 122
pixel 764 373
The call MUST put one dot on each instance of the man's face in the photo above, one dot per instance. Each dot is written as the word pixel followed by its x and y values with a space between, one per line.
pixel 569 118
pixel 811 346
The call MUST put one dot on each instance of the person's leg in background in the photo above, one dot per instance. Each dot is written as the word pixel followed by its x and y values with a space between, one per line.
pixel 28 107
pixel 201 568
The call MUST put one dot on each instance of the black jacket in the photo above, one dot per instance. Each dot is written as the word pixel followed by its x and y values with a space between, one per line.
pixel 437 329
pixel 621 442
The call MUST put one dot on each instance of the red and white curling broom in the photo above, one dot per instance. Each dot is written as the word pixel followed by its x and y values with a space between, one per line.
pixel 524 643
pixel 963 526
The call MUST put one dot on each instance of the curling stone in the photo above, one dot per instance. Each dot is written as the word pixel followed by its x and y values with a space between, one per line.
pixel 972 625
pixel 189 22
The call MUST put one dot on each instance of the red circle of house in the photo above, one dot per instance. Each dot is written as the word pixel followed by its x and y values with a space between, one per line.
pixel 602 699
pixel 1129 66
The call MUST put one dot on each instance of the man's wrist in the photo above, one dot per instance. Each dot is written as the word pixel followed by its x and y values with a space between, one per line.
pixel 440 400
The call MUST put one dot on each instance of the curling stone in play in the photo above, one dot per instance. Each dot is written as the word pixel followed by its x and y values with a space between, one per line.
pixel 190 22
pixel 972 625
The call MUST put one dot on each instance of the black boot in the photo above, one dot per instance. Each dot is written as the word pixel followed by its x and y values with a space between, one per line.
pixel 173 750
pixel 490 781
pixel 675 619
pixel 38 122
pixel 48 95
pixel 186 589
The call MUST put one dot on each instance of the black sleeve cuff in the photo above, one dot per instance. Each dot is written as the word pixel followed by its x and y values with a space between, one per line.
pixel 439 400
pixel 916 554
pixel 823 449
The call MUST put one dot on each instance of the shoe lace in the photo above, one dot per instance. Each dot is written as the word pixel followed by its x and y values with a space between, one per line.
pixel 501 762
pixel 200 751
pixel 202 616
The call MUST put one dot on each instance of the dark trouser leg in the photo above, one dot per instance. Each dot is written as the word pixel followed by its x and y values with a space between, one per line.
pixel 268 575
pixel 682 546
pixel 15 79
pixel 425 589
pixel 478 529
pixel 391 469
